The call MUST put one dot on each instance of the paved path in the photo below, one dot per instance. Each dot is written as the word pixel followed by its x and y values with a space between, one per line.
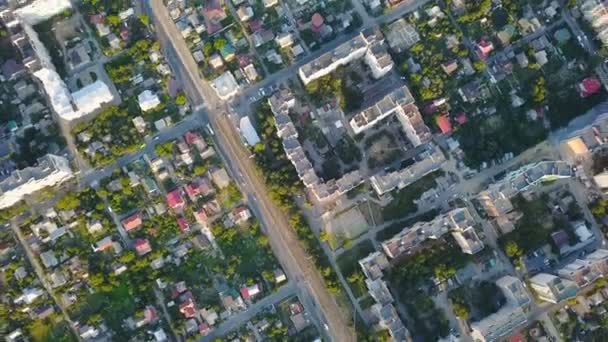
pixel 33 260
pixel 243 317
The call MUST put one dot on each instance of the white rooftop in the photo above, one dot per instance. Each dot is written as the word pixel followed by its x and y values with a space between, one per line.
pixel 41 10
pixel 78 104
pixel 148 100
pixel 225 85
pixel 248 131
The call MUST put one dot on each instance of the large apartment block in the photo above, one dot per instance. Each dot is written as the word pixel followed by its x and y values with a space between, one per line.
pixel 596 13
pixel 68 106
pixel 585 271
pixel 280 104
pixel 551 288
pixel 508 317
pixel 401 103
pixel 428 160
pixel 496 199
pixel 368 44
pixel 51 170
pixel 383 309
pixel 498 324
pixel 458 221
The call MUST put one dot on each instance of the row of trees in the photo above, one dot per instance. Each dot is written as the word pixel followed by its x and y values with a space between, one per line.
pixel 283 184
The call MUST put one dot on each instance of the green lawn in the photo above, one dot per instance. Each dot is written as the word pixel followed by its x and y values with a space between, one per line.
pixel 403 200
pixel 349 266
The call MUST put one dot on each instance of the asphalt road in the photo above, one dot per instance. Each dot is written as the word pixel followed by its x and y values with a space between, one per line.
pixel 282 238
pixel 243 317
pixel 242 102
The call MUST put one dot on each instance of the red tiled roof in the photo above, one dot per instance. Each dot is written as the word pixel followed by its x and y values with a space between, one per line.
pixel 444 124
pixel 201 216
pixel 96 19
pixel 132 222
pixel 124 33
pixel 203 329
pixel 150 313
pixel 590 86
pixel 142 246
pixel 517 338
pixel 187 309
pixel 174 199
pixel 484 48
pixel 183 224
pixel 317 20
pixel 461 118
pixel 245 293
pixel 191 137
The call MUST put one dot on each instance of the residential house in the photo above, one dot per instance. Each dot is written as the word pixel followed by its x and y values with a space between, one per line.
pixel 220 178
pixel 175 200
pixel 148 100
pixel 249 292
pixel 132 222
pixel 142 246
pixel 551 288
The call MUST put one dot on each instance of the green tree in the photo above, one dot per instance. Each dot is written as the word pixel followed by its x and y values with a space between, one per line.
pixel 219 43
pixel 165 150
pixel 479 66
pixel 539 90
pixel 181 99
pixel 68 202
pixel 208 49
pixel 144 19
pixel 513 250
pixel 113 20
pixel 461 310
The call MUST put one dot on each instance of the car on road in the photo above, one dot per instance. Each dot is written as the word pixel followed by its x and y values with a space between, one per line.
pixel 210 129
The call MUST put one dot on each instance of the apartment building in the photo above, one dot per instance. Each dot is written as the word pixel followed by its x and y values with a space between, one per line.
pixel 514 291
pixel 580 145
pixel 580 272
pixel 369 44
pixel 496 198
pixel 389 319
pixel 280 104
pixel 596 13
pixel 68 106
pixel 401 35
pixel 428 160
pixel 458 221
pixel 383 309
pixel 508 317
pixel 498 324
pixel 585 271
pixel 401 103
pixel 50 171
pixel 551 288
pixel 373 265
